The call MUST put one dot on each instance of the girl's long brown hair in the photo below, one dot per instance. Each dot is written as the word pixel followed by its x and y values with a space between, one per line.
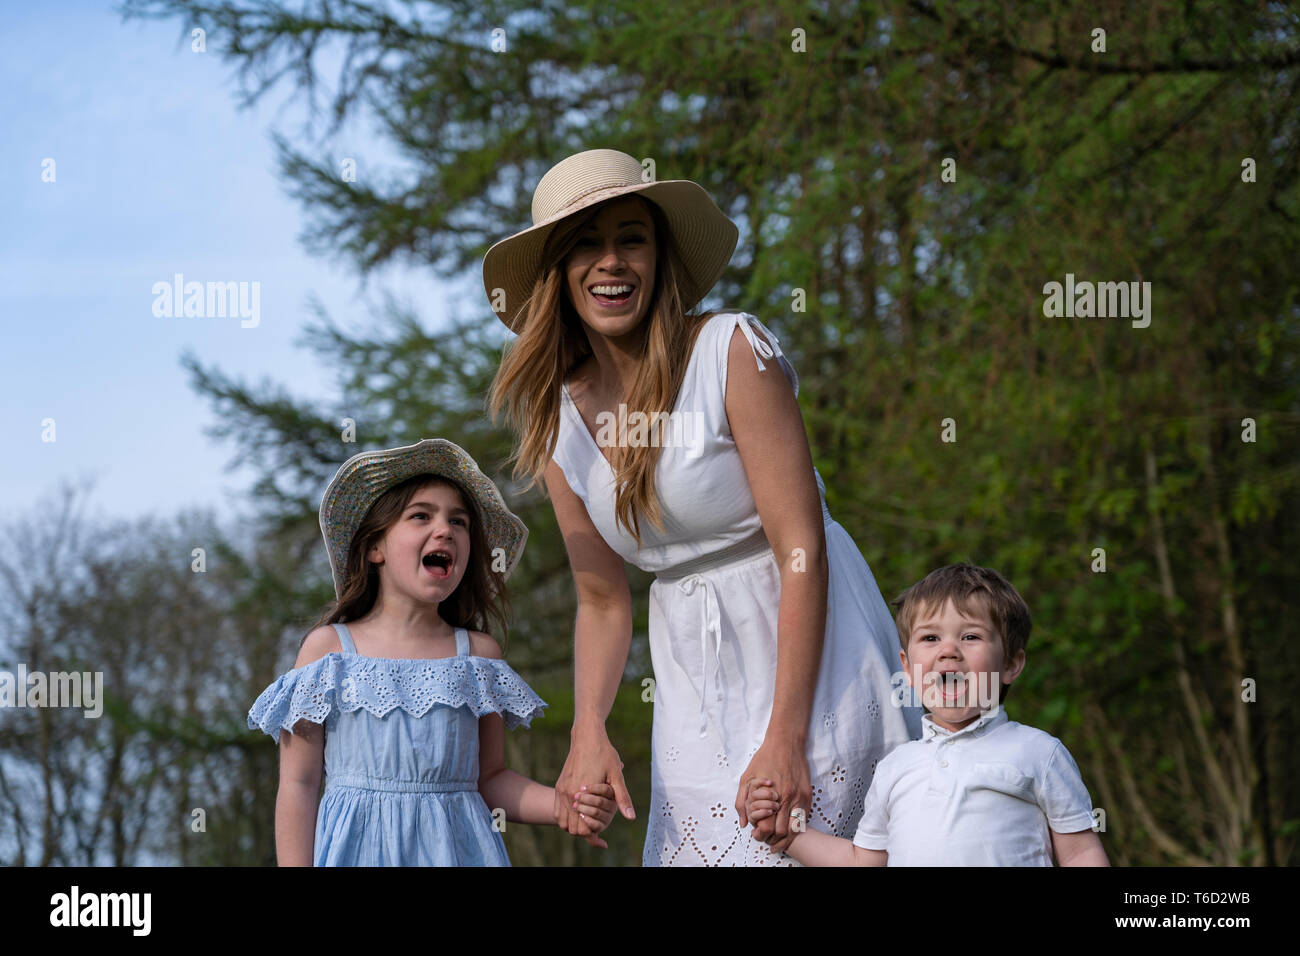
pixel 481 594
pixel 552 342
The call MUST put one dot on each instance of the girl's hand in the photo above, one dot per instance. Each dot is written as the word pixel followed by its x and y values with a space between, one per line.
pixel 592 762
pixel 595 806
pixel 781 764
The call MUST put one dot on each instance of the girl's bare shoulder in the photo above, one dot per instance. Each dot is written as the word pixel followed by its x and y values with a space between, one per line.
pixel 324 640
pixel 483 645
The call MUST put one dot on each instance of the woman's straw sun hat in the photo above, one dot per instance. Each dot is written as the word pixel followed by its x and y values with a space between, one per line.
pixel 704 236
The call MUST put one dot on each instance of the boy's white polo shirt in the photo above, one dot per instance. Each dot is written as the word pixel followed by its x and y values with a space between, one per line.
pixel 984 795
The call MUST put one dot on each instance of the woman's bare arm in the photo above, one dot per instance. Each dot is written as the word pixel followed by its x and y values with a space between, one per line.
pixel 602 639
pixel 769 433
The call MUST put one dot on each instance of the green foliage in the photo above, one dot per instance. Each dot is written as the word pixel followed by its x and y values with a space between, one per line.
pixel 925 302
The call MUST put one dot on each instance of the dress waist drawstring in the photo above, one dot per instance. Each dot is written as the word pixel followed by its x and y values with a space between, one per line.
pixel 693 574
pixel 688 576
pixel 710 634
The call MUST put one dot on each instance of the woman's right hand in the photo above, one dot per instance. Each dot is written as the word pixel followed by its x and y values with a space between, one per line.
pixel 602 636
pixel 592 760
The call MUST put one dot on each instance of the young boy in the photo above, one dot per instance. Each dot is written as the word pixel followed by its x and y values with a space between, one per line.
pixel 977 789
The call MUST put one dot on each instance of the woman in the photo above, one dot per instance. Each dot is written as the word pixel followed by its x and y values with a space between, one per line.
pixel 770 641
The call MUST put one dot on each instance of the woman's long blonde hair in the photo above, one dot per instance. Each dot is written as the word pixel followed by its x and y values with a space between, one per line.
pixel 552 342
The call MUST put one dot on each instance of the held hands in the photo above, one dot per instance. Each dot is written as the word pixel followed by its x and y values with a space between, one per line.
pixel 595 808
pixel 591 787
pixel 763 803
pixel 779 769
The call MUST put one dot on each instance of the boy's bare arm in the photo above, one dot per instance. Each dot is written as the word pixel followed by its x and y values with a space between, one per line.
pixel 821 849
pixel 814 848
pixel 809 847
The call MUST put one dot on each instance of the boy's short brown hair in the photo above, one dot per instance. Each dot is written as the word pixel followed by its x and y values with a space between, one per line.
pixel 994 597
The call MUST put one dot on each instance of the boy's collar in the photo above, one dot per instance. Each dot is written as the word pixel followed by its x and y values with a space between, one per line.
pixel 984 723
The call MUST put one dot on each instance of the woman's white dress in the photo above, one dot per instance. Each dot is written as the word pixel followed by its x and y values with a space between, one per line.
pixel 713 626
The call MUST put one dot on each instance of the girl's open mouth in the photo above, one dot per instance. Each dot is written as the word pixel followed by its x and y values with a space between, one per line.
pixel 437 564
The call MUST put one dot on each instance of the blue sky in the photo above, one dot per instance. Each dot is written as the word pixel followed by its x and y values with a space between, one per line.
pixel 157 172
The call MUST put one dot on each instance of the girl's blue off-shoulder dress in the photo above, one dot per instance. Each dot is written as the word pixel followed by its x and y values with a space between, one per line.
pixel 401 752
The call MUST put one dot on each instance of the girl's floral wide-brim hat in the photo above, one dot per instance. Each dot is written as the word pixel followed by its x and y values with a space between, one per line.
pixel 363 478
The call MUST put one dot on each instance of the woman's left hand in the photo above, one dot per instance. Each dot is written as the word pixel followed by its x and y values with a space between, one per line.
pixel 785 763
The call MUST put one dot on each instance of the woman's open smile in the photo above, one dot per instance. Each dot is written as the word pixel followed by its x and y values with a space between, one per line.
pixel 610 272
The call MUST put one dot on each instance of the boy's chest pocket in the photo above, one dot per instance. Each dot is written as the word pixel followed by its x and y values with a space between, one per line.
pixel 1004 778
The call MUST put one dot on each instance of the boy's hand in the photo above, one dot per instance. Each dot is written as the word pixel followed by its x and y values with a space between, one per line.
pixel 596 808
pixel 781 761
pixel 761 802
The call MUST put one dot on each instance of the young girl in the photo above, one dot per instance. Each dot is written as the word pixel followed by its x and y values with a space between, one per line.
pixel 405 706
